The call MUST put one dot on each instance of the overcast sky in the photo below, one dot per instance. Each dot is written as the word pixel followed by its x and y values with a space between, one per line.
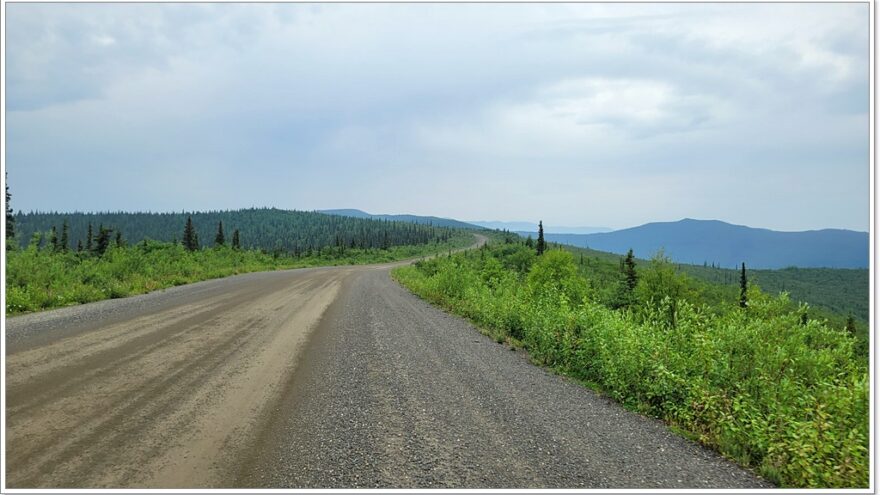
pixel 578 114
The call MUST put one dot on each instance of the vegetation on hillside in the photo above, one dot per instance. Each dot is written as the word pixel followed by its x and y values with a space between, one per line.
pixel 756 379
pixel 298 232
pixel 831 294
pixel 48 273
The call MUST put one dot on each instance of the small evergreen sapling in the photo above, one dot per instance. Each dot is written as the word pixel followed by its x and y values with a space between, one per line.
pixel 53 239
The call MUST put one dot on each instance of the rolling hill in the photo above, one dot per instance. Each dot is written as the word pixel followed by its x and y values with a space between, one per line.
pixel 264 228
pixel 723 244
pixel 427 220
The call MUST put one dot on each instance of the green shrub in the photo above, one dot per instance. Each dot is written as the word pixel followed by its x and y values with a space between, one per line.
pixel 787 398
pixel 555 274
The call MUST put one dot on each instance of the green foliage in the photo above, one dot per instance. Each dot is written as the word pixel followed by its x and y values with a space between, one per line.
pixel 270 229
pixel 555 275
pixel 190 236
pixel 832 294
pixel 831 290
pixel 38 279
pixel 541 246
pixel 787 399
pixel 219 239
pixel 102 242
pixel 89 239
pixel 660 280
pixel 53 239
pixel 65 236
pixel 10 219
pixel 629 279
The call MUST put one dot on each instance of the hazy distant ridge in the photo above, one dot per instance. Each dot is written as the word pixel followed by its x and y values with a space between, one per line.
pixel 713 241
pixel 533 227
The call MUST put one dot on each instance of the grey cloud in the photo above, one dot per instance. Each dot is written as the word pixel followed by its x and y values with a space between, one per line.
pixel 394 107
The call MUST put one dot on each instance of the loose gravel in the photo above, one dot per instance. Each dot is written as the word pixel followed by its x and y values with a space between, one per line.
pixel 394 393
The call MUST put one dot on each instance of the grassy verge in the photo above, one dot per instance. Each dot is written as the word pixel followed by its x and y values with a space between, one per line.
pixel 784 395
pixel 39 279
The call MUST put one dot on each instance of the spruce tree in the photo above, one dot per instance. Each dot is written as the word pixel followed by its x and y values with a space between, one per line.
pixel 629 271
pixel 102 242
pixel 628 280
pixel 541 246
pixel 190 237
pixel 65 236
pixel 529 242
pixel 53 239
pixel 89 245
pixel 10 219
pixel 743 288
pixel 219 239
pixel 79 245
pixel 119 241
pixel 236 240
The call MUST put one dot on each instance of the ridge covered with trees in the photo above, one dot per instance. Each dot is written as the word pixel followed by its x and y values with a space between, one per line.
pixel 110 255
pixel 270 229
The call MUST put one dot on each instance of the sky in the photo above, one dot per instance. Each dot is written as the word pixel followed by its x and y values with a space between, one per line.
pixel 609 115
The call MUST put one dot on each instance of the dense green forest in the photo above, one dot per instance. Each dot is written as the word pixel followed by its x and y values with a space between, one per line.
pixel 748 373
pixel 46 277
pixel 270 229
pixel 832 293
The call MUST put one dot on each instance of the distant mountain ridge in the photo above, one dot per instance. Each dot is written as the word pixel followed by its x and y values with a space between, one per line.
pixel 727 245
pixel 435 221
pixel 533 227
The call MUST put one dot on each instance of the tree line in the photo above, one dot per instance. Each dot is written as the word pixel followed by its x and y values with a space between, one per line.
pixel 269 229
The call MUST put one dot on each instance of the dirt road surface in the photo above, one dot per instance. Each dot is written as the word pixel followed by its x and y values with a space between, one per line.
pixel 326 377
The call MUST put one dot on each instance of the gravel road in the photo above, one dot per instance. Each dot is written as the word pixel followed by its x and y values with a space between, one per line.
pixel 326 377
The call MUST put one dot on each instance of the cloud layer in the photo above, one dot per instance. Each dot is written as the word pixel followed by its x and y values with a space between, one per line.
pixel 591 114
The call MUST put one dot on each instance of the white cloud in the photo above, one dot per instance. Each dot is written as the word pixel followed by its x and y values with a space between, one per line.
pixel 103 40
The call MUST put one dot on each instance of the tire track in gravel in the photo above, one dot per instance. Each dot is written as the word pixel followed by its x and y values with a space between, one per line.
pixel 164 400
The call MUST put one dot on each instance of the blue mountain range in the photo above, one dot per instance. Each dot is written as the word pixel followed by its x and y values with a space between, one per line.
pixel 712 241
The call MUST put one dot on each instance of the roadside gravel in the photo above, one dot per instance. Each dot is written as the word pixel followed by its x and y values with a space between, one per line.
pixel 391 392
